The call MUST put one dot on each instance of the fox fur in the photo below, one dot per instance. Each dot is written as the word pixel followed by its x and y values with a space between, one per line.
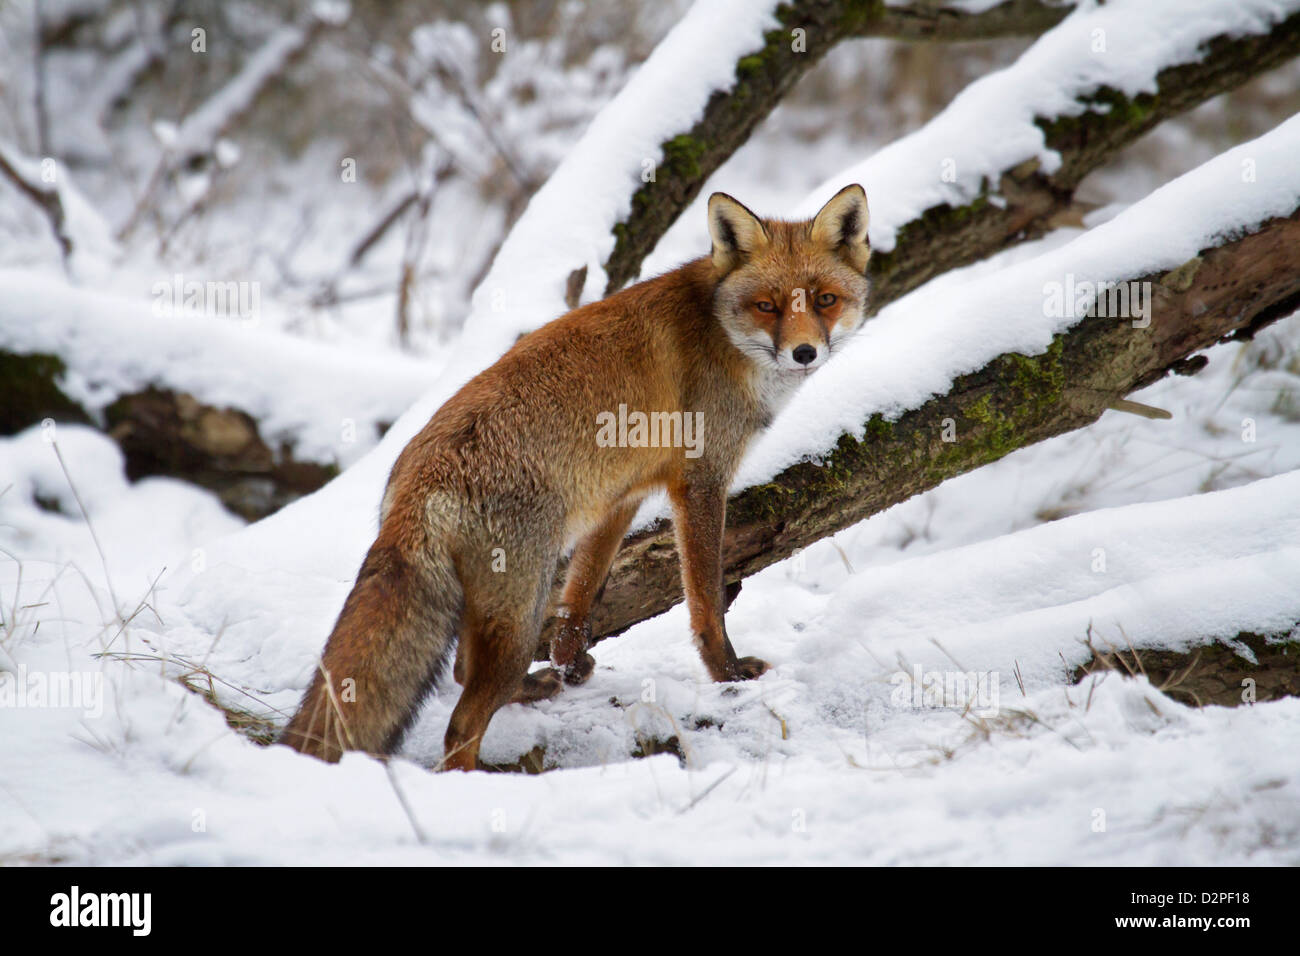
pixel 508 474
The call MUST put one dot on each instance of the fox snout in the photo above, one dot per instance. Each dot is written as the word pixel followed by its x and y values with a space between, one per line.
pixel 801 339
pixel 804 354
pixel 797 346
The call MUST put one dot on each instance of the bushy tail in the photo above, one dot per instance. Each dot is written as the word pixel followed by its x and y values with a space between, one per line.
pixel 386 651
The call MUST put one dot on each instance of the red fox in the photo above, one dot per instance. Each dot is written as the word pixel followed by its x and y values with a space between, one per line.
pixel 524 462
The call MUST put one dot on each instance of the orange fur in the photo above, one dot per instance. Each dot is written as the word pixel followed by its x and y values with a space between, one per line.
pixel 511 471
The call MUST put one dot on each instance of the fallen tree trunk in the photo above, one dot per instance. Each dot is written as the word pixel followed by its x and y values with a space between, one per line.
pixel 162 431
pixel 1216 673
pixel 809 29
pixel 255 415
pixel 947 237
pixel 944 237
pixel 1228 291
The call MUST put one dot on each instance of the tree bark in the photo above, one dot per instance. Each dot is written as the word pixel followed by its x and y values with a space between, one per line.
pixel 936 20
pixel 943 237
pixel 1228 291
pixel 1214 672
pixel 165 432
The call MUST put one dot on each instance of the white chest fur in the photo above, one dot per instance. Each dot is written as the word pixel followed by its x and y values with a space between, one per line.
pixel 774 389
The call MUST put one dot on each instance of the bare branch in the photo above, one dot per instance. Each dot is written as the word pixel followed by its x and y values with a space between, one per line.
pixel 809 29
pixel 944 237
pixel 44 195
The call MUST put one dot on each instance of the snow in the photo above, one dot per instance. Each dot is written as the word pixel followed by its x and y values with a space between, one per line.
pixel 569 222
pixel 1147 575
pixel 55 533
pixel 326 401
pixel 1173 533
pixel 1123 44
pixel 859 774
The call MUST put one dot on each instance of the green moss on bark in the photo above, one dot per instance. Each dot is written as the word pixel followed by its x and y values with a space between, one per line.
pixel 30 392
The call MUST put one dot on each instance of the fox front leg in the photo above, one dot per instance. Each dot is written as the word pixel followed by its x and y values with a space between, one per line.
pixel 699 514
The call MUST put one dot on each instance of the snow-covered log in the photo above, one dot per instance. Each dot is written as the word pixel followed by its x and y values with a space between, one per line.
pixel 1213 673
pixel 802 32
pixel 1001 163
pixel 256 415
pixel 951 379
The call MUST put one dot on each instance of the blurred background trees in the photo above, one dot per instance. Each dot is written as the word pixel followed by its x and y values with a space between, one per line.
pixel 363 165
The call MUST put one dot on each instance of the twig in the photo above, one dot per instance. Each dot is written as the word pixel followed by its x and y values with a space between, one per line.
pixel 1137 408
pixel 91 528
pixel 406 806
pixel 707 790
pixel 38 87
pixel 46 197
pixel 376 232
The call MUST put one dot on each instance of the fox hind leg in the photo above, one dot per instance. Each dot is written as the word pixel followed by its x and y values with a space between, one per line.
pixel 500 652
pixel 583 583
pixel 497 644
pixel 541 684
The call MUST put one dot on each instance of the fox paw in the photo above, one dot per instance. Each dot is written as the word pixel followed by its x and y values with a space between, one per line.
pixel 748 668
pixel 579 672
pixel 569 642
pixel 539 685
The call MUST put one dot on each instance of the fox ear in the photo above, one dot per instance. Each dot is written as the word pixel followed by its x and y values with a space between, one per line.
pixel 842 225
pixel 736 232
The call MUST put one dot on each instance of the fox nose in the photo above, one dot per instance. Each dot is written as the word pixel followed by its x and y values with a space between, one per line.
pixel 804 354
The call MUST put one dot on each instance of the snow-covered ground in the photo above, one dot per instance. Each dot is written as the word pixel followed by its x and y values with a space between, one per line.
pixel 1160 534
pixel 843 753
pixel 832 757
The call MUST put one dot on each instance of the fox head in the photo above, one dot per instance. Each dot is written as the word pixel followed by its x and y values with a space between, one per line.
pixel 789 293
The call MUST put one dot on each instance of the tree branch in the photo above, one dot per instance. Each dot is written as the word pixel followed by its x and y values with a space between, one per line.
pixel 809 29
pixel 944 237
pixel 1228 291
pixel 935 20
pixel 45 196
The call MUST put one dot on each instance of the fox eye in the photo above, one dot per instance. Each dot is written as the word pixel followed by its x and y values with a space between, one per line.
pixel 764 306
pixel 825 300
